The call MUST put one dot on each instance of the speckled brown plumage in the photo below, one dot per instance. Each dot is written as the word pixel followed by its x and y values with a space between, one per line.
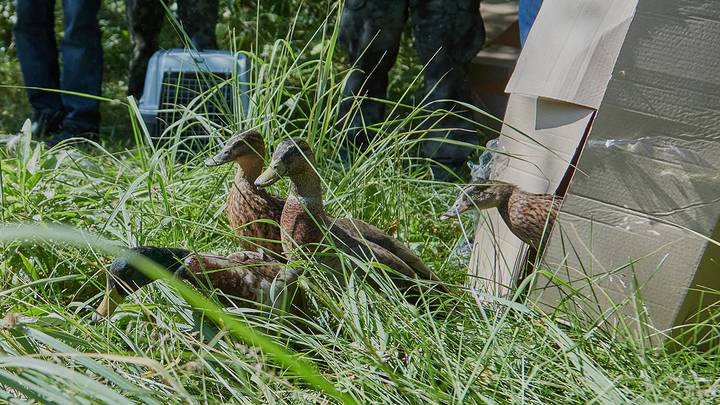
pixel 308 227
pixel 245 279
pixel 529 216
pixel 299 224
pixel 364 231
pixel 305 223
pixel 251 213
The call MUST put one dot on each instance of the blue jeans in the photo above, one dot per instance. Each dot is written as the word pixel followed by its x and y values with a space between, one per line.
pixel 81 59
pixel 527 11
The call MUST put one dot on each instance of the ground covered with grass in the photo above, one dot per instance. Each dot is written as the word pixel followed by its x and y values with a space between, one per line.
pixel 67 211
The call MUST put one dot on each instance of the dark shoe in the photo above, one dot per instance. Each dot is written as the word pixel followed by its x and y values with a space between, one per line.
pixel 45 122
pixel 68 133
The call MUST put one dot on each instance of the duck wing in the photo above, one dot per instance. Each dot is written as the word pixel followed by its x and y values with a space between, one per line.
pixel 368 251
pixel 531 216
pixel 246 279
pixel 362 230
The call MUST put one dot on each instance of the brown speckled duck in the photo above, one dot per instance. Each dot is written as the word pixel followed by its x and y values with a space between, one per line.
pixel 246 203
pixel 244 279
pixel 529 216
pixel 249 207
pixel 305 223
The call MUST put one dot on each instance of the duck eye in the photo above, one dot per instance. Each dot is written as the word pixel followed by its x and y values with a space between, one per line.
pixel 287 157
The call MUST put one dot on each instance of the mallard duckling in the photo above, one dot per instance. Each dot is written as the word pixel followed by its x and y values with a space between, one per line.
pixel 249 207
pixel 245 279
pixel 529 216
pixel 305 223
pixel 247 203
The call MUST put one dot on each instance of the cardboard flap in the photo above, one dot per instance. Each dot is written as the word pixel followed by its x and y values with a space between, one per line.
pixel 572 49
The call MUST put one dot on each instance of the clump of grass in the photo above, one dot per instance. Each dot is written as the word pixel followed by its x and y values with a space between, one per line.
pixel 167 345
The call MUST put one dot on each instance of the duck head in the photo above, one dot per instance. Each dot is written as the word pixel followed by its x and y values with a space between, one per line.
pixel 243 148
pixel 124 277
pixel 292 158
pixel 479 197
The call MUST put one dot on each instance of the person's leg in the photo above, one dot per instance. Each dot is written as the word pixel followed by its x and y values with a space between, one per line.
pixel 145 20
pixel 82 65
pixel 198 19
pixel 448 34
pixel 370 32
pixel 37 51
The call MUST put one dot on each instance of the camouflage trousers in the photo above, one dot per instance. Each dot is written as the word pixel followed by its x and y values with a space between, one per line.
pixel 448 34
pixel 145 18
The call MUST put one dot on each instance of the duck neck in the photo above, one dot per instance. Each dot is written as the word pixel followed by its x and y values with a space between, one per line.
pixel 503 192
pixel 307 189
pixel 248 169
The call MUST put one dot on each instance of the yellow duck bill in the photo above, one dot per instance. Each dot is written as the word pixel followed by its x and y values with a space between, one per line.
pixel 269 177
pixel 109 304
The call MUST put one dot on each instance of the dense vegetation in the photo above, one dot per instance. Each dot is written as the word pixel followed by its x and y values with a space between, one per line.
pixel 167 345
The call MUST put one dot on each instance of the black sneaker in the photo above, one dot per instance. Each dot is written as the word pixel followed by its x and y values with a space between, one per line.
pixel 68 133
pixel 45 122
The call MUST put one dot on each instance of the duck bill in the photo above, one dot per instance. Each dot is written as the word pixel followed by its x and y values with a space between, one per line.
pixel 219 159
pixel 451 213
pixel 267 178
pixel 112 299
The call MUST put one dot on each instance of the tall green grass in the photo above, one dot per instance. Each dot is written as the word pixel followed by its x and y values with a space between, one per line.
pixel 168 345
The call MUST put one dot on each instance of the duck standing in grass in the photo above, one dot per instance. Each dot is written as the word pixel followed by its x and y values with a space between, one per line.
pixel 253 213
pixel 244 279
pixel 305 223
pixel 529 216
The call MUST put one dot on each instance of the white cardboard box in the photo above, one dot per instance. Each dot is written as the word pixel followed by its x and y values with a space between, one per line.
pixel 631 89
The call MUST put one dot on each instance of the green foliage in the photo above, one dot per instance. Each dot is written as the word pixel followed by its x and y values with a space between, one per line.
pixel 167 345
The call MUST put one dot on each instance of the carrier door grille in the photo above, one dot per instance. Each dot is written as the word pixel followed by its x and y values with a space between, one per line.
pixel 181 88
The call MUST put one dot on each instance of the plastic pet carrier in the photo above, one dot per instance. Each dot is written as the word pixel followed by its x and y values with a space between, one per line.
pixel 188 94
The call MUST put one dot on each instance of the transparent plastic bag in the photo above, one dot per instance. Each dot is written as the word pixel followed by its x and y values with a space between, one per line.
pixel 492 161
